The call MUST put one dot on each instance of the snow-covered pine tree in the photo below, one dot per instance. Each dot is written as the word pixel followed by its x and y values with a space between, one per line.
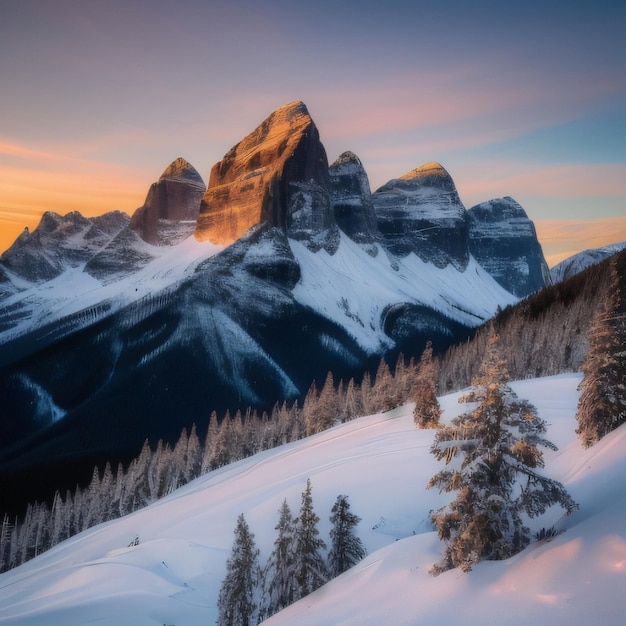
pixel 427 410
pixel 496 475
pixel 310 566
pixel 237 603
pixel 281 586
pixel 602 403
pixel 346 548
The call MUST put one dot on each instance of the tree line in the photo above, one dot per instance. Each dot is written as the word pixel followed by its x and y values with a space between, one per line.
pixel 156 472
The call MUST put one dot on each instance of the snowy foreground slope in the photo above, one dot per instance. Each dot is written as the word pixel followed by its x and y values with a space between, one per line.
pixel 382 462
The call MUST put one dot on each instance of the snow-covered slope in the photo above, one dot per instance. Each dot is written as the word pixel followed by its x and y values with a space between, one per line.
pixel 382 462
pixel 335 285
pixel 578 262
pixel 76 290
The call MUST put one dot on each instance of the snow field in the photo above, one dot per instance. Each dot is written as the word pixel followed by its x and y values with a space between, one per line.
pixel 382 462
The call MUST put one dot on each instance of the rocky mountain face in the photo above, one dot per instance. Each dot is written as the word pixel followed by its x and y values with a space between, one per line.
pixel 578 262
pixel 351 199
pixel 113 330
pixel 60 242
pixel 504 241
pixel 421 212
pixel 170 212
pixel 278 174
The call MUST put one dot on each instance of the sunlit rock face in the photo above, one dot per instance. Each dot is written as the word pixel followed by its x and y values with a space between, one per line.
pixel 171 208
pixel 278 174
pixel 504 241
pixel 351 199
pixel 421 212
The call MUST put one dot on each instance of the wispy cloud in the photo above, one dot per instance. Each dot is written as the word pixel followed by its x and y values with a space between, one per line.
pixel 561 238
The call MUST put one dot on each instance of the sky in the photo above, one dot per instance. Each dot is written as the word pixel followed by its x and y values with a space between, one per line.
pixel 521 99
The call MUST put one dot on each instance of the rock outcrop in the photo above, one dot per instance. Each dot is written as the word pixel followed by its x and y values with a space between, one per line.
pixel 169 214
pixel 351 199
pixel 278 174
pixel 60 242
pixel 504 241
pixel 421 212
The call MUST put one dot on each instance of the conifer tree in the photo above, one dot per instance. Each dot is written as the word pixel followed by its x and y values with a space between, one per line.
pixel 427 410
pixel 281 586
pixel 310 567
pixel 325 411
pixel 384 389
pixel 496 477
pixel 237 602
pixel 602 403
pixel 346 548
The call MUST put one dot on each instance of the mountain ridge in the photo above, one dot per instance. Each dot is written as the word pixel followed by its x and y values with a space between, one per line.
pixel 312 263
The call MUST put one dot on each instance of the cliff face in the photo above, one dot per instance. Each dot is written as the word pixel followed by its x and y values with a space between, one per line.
pixel 504 241
pixel 351 199
pixel 421 212
pixel 277 174
pixel 171 208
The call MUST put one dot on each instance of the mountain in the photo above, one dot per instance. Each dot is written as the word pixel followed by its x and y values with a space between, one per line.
pixel 351 199
pixel 59 243
pixel 504 241
pixel 294 269
pixel 578 262
pixel 421 213
pixel 170 212
pixel 173 572
pixel 278 174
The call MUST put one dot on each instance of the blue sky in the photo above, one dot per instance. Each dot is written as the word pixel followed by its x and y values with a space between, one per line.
pixel 523 99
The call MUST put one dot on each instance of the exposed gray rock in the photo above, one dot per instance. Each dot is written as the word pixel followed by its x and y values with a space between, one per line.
pixel 171 209
pixel 61 242
pixel 421 212
pixel 504 241
pixel 351 199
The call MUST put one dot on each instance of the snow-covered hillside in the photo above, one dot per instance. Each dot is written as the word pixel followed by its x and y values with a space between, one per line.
pixel 382 463
pixel 75 290
pixel 334 286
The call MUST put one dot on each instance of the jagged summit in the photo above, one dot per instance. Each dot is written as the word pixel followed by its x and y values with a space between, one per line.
pixel 171 208
pixel 277 174
pixel 181 169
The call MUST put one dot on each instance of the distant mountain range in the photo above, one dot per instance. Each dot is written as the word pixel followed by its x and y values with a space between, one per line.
pixel 239 294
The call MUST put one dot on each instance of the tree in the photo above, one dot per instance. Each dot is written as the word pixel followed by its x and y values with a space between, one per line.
pixel 602 403
pixel 237 603
pixel 497 478
pixel 384 388
pixel 346 548
pixel 310 567
pixel 427 410
pixel 325 410
pixel 281 586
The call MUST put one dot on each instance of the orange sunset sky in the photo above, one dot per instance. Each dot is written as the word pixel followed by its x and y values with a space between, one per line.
pixel 526 100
